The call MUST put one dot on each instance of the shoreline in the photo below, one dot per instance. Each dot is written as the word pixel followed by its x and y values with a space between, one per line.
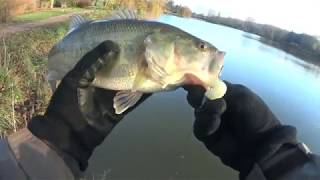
pixel 292 49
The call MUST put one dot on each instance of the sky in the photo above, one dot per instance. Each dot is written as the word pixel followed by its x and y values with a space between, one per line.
pixel 301 16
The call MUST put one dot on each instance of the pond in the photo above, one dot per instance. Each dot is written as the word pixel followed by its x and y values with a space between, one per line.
pixel 156 140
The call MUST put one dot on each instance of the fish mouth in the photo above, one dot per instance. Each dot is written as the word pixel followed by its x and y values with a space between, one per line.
pixel 209 86
pixel 193 79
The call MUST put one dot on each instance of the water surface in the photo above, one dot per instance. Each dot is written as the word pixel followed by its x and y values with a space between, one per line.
pixel 156 141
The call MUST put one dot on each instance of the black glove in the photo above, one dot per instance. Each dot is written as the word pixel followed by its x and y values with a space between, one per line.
pixel 240 129
pixel 80 116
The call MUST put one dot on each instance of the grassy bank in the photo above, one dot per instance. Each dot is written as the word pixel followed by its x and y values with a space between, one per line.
pixel 41 15
pixel 23 88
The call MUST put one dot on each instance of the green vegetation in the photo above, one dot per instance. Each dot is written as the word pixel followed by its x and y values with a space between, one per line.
pixel 23 88
pixel 98 13
pixel 182 11
pixel 40 15
pixel 145 8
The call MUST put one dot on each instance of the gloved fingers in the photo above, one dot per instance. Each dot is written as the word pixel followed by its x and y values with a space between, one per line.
pixel 104 99
pixel 206 125
pixel 237 92
pixel 84 71
pixel 208 118
pixel 89 75
pixel 228 148
pixel 237 89
pixel 247 113
pixel 223 145
pixel 195 95
pixel 217 106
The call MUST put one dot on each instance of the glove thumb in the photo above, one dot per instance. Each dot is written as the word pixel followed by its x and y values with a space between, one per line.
pixel 208 118
pixel 84 71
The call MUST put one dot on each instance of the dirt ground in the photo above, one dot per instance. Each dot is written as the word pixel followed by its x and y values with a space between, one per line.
pixel 11 28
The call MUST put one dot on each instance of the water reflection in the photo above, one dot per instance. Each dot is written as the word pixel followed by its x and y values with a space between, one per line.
pixel 309 67
pixel 156 141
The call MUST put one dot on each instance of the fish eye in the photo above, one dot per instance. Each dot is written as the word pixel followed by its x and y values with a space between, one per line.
pixel 202 46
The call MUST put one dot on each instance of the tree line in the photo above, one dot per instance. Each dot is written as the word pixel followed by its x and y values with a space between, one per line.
pixel 183 11
pixel 301 45
pixel 148 8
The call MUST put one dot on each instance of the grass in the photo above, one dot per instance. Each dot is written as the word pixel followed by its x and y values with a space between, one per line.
pixel 99 13
pixel 24 91
pixel 41 15
pixel 23 88
pixel 95 13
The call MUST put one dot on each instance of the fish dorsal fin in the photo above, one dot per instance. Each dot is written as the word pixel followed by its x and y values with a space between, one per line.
pixel 76 21
pixel 123 14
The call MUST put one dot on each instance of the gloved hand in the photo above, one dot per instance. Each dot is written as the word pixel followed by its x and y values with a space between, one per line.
pixel 80 116
pixel 239 128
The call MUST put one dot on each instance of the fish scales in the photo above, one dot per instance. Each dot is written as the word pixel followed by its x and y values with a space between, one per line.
pixel 124 70
pixel 123 32
pixel 153 57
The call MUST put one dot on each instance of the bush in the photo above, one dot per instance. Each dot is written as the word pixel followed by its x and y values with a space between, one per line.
pixel 5 15
pixel 185 12
pixel 70 3
pixel 83 3
pixel 24 90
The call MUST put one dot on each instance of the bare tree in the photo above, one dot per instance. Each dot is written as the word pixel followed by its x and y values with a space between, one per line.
pixel 51 3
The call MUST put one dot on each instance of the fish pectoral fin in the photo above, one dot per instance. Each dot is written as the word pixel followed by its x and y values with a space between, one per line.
pixel 156 71
pixel 153 63
pixel 125 99
pixel 159 55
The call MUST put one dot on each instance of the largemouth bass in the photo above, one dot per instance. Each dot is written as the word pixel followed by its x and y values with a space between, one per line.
pixel 153 57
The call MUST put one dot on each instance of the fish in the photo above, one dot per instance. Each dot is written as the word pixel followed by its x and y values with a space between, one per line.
pixel 153 57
